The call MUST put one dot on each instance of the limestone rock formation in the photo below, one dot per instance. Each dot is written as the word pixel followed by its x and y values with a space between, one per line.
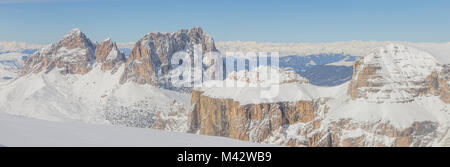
pixel 438 84
pixel 393 74
pixel 109 56
pixel 254 122
pixel 73 54
pixel 150 59
pixel 301 123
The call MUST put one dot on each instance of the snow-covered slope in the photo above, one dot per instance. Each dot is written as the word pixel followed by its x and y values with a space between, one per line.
pixel 16 131
pixel 91 97
pixel 394 73
pixel 246 87
pixel 441 51
pixel 76 79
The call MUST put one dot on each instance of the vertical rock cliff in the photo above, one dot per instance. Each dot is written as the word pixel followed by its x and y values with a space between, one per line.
pixel 397 74
pixel 73 54
pixel 150 59
pixel 438 84
pixel 109 56
pixel 253 122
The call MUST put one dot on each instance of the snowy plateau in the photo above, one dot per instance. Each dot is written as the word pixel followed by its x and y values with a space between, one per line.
pixel 76 92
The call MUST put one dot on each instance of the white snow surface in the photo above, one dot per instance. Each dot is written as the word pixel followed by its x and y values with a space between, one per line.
pixel 441 51
pixel 399 69
pixel 248 87
pixel 74 99
pixel 58 97
pixel 290 92
pixel 17 131
pixel 400 115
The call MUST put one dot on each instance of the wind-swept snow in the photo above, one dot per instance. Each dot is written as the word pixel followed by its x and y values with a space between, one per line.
pixel 283 86
pixel 22 131
pixel 441 51
pixel 400 115
pixel 57 97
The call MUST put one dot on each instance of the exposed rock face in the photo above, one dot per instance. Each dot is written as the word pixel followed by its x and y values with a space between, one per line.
pixel 393 74
pixel 109 56
pixel 73 54
pixel 254 122
pixel 438 84
pixel 302 123
pixel 382 134
pixel 150 60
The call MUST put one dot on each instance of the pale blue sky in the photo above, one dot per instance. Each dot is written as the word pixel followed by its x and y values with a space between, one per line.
pixel 45 21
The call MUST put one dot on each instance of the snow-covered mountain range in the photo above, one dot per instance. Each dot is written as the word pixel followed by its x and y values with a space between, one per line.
pixel 329 94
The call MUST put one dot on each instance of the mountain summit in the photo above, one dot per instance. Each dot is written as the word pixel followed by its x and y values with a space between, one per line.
pixel 108 55
pixel 149 60
pixel 394 73
pixel 74 54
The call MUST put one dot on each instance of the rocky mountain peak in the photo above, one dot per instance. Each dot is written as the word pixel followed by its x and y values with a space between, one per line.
pixel 108 55
pixel 149 60
pixel 73 54
pixel 394 73
pixel 75 32
pixel 76 39
pixel 107 40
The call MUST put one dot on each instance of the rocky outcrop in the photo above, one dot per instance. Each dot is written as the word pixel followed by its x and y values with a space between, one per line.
pixel 301 123
pixel 109 56
pixel 393 74
pixel 150 59
pixel 253 122
pixel 438 84
pixel 73 54
pixel 348 134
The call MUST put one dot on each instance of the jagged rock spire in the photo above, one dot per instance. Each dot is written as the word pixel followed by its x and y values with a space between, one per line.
pixel 149 60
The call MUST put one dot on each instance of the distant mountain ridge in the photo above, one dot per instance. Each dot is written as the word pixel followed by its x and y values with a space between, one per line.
pixel 394 95
pixel 8 46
